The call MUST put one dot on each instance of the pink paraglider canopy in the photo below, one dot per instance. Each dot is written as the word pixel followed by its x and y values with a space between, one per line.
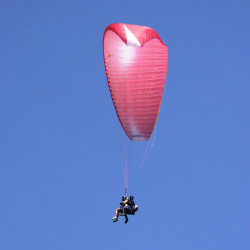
pixel 136 66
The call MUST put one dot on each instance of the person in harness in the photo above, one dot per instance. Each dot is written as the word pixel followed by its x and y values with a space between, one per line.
pixel 127 206
pixel 130 209
pixel 121 209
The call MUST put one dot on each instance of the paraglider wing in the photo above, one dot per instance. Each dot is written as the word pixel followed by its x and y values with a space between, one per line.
pixel 135 60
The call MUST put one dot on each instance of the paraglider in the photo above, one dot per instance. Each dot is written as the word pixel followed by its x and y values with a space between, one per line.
pixel 136 62
pixel 127 206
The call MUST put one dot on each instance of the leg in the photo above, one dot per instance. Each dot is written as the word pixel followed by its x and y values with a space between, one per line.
pixel 126 216
pixel 117 211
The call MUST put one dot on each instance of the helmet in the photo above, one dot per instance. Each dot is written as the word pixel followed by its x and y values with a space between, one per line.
pixel 124 198
pixel 131 197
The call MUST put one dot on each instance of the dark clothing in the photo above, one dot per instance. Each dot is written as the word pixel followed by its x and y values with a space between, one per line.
pixel 130 208
pixel 131 203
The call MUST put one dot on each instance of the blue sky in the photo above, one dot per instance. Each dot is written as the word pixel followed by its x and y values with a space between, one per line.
pixel 60 164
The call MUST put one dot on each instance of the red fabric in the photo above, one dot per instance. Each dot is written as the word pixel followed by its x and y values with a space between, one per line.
pixel 142 33
pixel 136 77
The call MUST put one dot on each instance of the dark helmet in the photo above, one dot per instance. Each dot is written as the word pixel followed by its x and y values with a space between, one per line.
pixel 131 197
pixel 124 198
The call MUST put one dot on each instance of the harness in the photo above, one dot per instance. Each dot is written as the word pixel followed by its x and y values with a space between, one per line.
pixel 129 210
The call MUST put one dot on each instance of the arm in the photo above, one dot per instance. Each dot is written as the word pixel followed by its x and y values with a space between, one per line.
pixel 124 202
